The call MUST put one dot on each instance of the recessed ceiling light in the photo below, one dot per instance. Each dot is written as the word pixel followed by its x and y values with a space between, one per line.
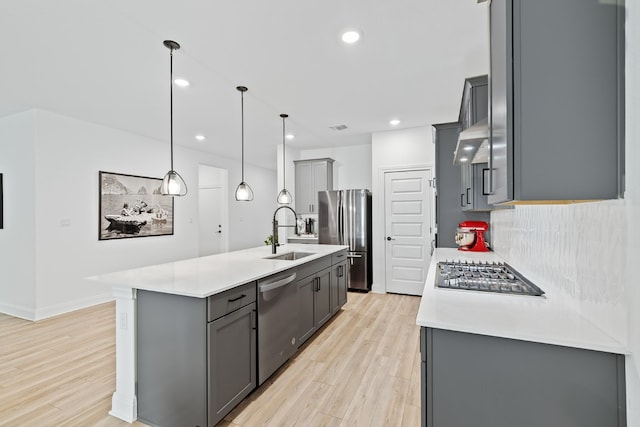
pixel 290 136
pixel 181 82
pixel 463 159
pixel 200 137
pixel 350 36
pixel 468 147
pixel 394 122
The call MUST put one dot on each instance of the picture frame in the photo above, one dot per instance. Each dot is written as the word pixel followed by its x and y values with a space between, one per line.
pixel 132 206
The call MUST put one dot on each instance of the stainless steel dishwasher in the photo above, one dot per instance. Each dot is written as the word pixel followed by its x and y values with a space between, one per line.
pixel 277 322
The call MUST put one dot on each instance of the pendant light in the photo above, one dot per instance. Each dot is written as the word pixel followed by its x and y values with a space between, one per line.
pixel 244 193
pixel 284 197
pixel 172 183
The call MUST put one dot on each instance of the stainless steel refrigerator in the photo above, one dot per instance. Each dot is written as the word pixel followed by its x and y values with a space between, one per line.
pixel 344 218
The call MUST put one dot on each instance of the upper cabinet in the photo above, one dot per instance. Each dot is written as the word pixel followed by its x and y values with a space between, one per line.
pixel 475 105
pixel 556 89
pixel 312 175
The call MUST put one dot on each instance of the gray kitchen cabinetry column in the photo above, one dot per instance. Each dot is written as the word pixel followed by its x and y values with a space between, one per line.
pixel 312 175
pixel 484 381
pixel 556 89
pixel 196 357
pixel 449 211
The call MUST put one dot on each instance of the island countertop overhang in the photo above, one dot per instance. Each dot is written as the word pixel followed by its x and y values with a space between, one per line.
pixel 209 275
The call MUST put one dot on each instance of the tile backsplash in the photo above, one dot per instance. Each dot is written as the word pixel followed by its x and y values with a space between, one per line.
pixel 576 252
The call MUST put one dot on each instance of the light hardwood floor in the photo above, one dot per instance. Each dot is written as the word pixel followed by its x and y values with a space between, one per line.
pixel 361 369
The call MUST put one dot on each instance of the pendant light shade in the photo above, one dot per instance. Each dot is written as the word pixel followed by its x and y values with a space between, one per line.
pixel 172 183
pixel 244 193
pixel 284 197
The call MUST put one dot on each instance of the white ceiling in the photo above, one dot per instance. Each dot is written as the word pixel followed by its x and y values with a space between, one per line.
pixel 104 62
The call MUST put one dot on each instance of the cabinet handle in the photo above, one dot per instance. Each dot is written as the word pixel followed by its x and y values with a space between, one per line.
pixel 237 298
pixel 468 195
pixel 254 323
pixel 462 200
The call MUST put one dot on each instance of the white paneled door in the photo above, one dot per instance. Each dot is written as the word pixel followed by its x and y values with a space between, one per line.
pixel 408 224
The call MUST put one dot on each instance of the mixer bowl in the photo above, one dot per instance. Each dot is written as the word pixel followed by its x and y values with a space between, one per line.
pixel 465 238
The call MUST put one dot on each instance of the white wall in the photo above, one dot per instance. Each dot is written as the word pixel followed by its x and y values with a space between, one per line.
pixel 17 238
pixel 352 166
pixel 404 148
pixel 68 155
pixel 590 252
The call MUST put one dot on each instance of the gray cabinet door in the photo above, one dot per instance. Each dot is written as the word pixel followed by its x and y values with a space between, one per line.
pixel 232 361
pixel 483 381
pixel 338 286
pixel 557 100
pixel 342 275
pixel 303 185
pixel 501 101
pixel 306 317
pixel 312 176
pixel 322 297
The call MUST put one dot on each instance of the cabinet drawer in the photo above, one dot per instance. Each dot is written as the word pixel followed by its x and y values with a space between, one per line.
pixel 338 257
pixel 231 300
pixel 313 267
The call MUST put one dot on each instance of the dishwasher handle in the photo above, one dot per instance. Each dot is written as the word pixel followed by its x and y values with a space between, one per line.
pixel 278 283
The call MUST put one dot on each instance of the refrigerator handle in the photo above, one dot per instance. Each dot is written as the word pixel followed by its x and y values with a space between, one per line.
pixel 340 215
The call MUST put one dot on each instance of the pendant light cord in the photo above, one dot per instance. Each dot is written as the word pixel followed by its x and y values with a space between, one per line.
pixel 242 126
pixel 284 167
pixel 171 101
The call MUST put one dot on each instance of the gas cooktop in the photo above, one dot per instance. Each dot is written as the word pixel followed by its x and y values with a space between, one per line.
pixel 484 276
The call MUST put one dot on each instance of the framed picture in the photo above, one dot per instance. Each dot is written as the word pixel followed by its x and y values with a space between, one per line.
pixel 132 206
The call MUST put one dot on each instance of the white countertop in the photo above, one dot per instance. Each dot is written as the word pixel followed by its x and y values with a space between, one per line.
pixel 545 320
pixel 205 276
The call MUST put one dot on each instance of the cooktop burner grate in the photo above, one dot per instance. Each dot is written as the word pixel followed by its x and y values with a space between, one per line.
pixel 485 277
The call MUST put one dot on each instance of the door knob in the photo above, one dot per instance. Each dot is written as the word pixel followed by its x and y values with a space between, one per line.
pixel 390 238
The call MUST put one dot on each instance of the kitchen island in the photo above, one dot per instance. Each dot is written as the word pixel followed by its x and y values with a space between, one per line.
pixel 171 319
pixel 496 359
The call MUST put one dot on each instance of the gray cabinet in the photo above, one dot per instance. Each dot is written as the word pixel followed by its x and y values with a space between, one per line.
pixel 314 303
pixel 474 188
pixel 322 297
pixel 339 276
pixel 478 380
pixel 311 176
pixel 320 294
pixel 196 357
pixel 232 360
pixel 556 91
pixel 475 101
pixel 449 211
pixel 306 302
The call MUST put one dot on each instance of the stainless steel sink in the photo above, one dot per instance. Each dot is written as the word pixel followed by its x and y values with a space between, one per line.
pixel 290 256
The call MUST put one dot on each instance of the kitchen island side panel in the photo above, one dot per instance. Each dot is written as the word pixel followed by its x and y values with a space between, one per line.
pixel 171 359
pixel 488 381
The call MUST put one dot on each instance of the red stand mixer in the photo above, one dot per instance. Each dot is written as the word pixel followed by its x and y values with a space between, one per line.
pixel 470 237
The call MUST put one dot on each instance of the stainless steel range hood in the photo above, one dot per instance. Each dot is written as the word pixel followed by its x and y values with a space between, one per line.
pixel 470 142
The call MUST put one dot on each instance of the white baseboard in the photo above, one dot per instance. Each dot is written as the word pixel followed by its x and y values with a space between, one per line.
pixel 26 313
pixel 54 310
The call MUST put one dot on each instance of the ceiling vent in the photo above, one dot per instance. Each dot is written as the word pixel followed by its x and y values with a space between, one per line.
pixel 339 127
